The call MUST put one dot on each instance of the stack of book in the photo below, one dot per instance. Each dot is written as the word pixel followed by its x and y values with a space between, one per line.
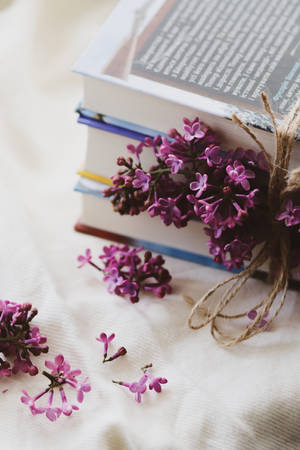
pixel 157 61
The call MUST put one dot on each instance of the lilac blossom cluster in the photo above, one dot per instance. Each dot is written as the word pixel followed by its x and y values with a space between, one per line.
pixel 195 179
pixel 126 273
pixel 19 341
pixel 138 388
pixel 60 375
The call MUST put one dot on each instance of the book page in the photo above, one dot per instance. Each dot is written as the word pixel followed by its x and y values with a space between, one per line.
pixel 230 50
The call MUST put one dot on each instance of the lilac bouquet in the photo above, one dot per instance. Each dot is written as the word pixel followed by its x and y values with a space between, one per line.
pixel 194 178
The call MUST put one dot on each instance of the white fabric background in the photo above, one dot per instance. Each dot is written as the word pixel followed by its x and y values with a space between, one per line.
pixel 244 398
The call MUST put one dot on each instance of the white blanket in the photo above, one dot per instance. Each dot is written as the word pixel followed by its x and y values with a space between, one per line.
pixel 242 398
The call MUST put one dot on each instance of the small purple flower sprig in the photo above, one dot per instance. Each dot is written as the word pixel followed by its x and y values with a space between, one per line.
pixel 19 341
pixel 106 340
pixel 138 388
pixel 126 273
pixel 61 375
pixel 194 178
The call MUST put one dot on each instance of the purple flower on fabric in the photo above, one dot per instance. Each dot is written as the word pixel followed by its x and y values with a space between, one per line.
pixel 59 365
pixel 124 271
pixel 35 337
pixel 129 288
pixel 199 185
pixel 142 180
pixel 30 401
pixel 239 175
pixel 19 340
pixel 66 407
pixel 156 382
pixel 52 413
pixel 140 387
pixel 120 352
pixel 113 279
pixel 193 131
pixel 61 375
pixel 290 215
pixel 84 259
pixel 137 387
pixel 106 341
pixel 82 388
pixel 174 163
pixel 25 366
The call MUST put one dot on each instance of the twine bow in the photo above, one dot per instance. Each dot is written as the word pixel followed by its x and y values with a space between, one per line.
pixel 276 249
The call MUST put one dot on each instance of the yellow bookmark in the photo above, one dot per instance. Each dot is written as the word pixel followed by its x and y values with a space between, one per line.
pixel 93 176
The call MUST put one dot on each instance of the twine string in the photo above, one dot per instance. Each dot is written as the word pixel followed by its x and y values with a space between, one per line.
pixel 276 249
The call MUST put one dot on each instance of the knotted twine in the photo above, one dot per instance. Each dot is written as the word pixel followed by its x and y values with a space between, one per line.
pixel 276 249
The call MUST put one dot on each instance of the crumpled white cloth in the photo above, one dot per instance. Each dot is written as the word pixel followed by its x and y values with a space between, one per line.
pixel 242 398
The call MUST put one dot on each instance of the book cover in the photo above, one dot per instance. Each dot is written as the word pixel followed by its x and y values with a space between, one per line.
pixel 210 55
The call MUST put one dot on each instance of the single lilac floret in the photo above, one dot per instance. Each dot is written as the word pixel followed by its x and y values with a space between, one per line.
pixel 193 131
pixel 84 259
pixel 136 150
pixel 142 180
pixel 290 215
pixel 174 163
pixel 106 341
pixel 199 185
pixel 237 174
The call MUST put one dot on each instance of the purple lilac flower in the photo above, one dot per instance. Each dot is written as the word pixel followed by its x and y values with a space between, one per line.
pixel 120 352
pixel 193 131
pixel 199 185
pixel 239 252
pixel 239 175
pixel 166 148
pixel 126 273
pixel 140 387
pixel 84 259
pixel 61 376
pixel 129 288
pixel 169 212
pixel 113 279
pixel 290 215
pixel 226 190
pixel 137 387
pixel 154 143
pixel 142 180
pixel 106 341
pixel 174 163
pixel 136 150
pixel 156 382
pixel 19 341
pixel 82 388
pixel 213 156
